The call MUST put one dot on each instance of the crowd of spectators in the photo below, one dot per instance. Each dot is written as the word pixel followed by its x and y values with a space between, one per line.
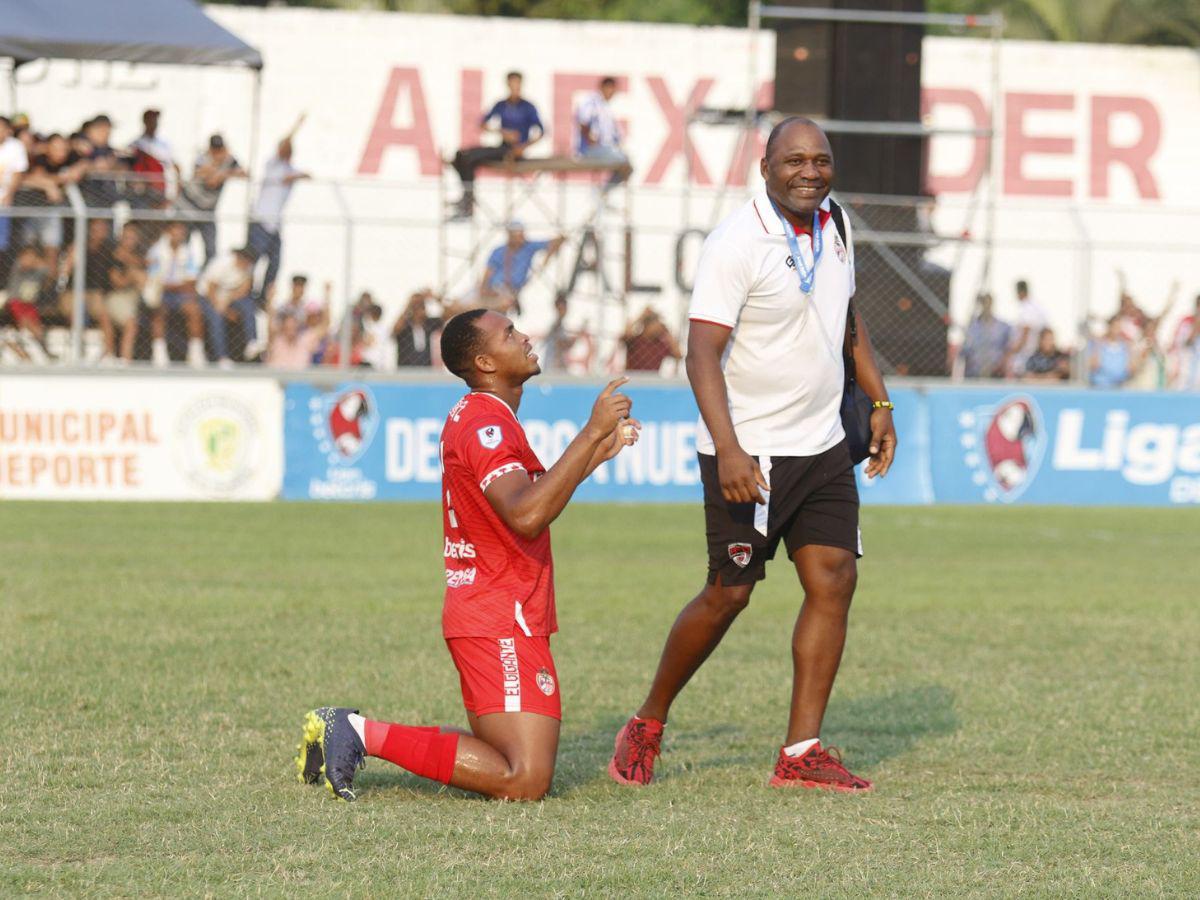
pixel 148 291
pixel 1124 350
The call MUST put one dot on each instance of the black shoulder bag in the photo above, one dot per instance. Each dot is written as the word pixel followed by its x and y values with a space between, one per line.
pixel 856 405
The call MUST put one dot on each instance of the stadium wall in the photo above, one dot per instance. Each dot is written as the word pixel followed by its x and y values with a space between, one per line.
pixel 254 438
pixel 1096 144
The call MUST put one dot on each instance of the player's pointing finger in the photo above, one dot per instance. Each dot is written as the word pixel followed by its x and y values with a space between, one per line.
pixel 613 385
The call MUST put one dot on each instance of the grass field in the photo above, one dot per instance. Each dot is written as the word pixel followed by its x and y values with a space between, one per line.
pixel 1022 684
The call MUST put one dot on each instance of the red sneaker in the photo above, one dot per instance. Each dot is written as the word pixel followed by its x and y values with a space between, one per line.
pixel 817 768
pixel 638 744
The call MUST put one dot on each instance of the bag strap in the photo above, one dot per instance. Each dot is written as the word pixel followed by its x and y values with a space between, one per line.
pixel 839 221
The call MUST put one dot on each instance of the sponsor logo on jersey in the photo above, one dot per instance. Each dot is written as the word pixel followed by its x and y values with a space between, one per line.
pixel 490 436
pixel 458 550
pixel 510 674
pixel 1004 445
pixel 740 554
pixel 545 681
pixel 456 578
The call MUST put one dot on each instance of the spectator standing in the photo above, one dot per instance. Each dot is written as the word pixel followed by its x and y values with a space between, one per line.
pixel 598 132
pixel 1185 351
pixel 99 184
pixel 226 290
pixel 14 162
pixel 1031 319
pixel 296 304
pixel 648 342
pixel 1110 360
pixel 1150 363
pixel 1047 362
pixel 509 267
pixel 414 332
pixel 265 234
pixel 516 119
pixel 154 165
pixel 172 274
pixel 985 346
pixel 43 186
pixel 200 195
pixel 559 340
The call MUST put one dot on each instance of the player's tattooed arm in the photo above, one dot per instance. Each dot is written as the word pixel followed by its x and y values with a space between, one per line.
pixel 528 507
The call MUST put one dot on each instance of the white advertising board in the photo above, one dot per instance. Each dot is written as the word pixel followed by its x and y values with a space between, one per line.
pixel 118 438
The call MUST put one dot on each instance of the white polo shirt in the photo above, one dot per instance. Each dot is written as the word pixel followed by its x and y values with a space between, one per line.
pixel 783 364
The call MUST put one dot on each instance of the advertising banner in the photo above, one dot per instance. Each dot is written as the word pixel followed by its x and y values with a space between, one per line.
pixel 140 438
pixel 1069 447
pixel 367 442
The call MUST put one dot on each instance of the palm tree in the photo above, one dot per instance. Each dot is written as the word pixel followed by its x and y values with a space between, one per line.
pixel 1174 22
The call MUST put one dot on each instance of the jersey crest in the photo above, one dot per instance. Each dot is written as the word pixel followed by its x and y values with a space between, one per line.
pixel 490 436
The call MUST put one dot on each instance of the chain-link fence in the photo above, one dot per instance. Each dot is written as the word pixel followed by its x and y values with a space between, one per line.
pixel 127 270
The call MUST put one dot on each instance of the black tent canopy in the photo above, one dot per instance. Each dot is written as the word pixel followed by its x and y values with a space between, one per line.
pixel 140 31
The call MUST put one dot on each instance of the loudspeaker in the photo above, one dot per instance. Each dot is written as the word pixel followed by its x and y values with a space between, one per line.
pixel 856 72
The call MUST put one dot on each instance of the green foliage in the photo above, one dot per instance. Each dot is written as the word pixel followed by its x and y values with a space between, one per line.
pixel 1021 683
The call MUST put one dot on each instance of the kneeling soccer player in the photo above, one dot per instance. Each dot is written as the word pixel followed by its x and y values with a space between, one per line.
pixel 497 505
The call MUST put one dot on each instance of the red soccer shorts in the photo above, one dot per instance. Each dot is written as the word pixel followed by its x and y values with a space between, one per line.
pixel 508 674
pixel 24 313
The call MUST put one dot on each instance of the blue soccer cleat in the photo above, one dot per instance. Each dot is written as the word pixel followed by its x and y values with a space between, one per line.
pixel 331 747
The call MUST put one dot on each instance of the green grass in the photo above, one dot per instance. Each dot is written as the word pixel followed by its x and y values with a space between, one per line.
pixel 1022 684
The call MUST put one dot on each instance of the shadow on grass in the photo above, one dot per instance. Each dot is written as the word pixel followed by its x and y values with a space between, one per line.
pixel 869 729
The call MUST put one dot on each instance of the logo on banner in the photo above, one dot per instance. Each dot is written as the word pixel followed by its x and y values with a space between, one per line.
pixel 215 441
pixel 1003 445
pixel 344 422
pixel 740 554
pixel 490 436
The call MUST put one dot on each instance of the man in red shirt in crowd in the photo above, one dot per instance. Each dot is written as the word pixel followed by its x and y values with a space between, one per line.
pixel 498 501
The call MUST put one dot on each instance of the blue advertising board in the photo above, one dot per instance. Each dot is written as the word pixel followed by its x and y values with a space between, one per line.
pixel 957 445
pixel 1064 446
pixel 380 441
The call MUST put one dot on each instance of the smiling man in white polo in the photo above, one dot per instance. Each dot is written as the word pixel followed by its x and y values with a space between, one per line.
pixel 768 320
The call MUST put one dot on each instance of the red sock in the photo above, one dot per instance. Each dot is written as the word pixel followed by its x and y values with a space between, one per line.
pixel 422 749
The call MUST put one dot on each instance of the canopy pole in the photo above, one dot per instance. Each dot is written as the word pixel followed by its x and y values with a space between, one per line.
pixel 252 158
pixel 12 89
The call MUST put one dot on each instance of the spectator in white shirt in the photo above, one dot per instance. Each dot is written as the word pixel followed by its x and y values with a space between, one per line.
pixel 14 162
pixel 154 163
pixel 264 238
pixel 1031 319
pixel 171 289
pixel 226 291
pixel 598 133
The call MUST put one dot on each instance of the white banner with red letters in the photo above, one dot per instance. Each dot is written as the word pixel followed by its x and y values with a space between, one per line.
pixel 129 438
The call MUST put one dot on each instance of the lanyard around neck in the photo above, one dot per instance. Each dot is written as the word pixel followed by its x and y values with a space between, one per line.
pixel 807 275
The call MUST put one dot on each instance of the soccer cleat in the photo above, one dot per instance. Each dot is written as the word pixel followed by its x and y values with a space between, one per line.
pixel 310 759
pixel 638 744
pixel 339 746
pixel 817 768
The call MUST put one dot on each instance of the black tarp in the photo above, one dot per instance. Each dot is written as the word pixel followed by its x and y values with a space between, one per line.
pixel 138 31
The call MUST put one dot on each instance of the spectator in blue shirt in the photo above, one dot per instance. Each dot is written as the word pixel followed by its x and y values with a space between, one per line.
pixel 985 347
pixel 1111 362
pixel 509 267
pixel 517 121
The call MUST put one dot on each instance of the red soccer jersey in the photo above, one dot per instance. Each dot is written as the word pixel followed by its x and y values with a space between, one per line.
pixel 495 579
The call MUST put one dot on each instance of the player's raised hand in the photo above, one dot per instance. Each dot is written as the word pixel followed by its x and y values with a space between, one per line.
pixel 608 410
pixel 626 434
pixel 742 480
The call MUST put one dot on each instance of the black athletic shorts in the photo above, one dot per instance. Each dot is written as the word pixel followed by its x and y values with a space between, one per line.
pixel 813 500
